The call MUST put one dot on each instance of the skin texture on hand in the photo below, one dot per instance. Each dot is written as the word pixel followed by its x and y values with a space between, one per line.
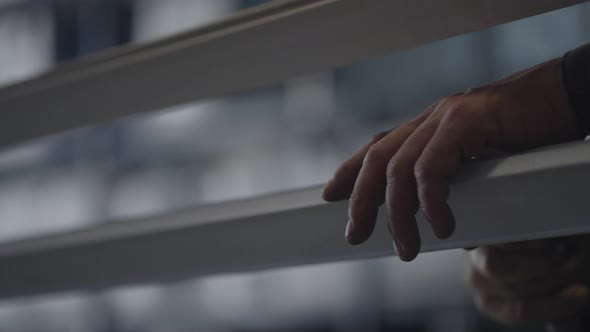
pixel 409 168
pixel 533 282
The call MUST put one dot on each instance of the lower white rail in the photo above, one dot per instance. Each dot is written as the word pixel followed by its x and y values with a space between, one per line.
pixel 537 194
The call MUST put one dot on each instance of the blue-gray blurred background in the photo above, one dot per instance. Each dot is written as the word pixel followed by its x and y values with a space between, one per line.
pixel 281 137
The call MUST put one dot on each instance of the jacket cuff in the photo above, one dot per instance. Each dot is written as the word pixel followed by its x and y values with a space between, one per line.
pixel 575 69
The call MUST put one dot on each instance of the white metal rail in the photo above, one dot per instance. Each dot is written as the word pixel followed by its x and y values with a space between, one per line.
pixel 534 195
pixel 258 47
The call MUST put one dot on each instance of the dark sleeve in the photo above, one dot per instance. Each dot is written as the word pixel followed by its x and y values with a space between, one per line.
pixel 576 78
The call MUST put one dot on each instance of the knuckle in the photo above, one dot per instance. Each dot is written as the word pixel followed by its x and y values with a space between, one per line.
pixel 345 171
pixel 423 170
pixel 379 136
pixel 428 111
pixel 395 169
pixel 375 155
pixel 447 100
pixel 445 103
pixel 455 112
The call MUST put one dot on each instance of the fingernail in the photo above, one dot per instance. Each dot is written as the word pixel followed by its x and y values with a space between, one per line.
pixel 395 251
pixel 328 184
pixel 348 230
pixel 399 249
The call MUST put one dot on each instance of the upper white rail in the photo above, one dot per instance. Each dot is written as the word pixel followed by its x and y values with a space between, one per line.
pixel 254 48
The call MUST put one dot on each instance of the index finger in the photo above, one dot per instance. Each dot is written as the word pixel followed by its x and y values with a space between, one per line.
pixel 341 185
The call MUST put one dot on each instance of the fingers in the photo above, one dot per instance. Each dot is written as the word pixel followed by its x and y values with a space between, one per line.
pixel 519 289
pixel 369 189
pixel 341 185
pixel 505 272
pixel 401 195
pixel 555 307
pixel 420 172
pixel 528 282
pixel 503 265
pixel 412 166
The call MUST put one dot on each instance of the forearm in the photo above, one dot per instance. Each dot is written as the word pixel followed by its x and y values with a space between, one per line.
pixel 576 78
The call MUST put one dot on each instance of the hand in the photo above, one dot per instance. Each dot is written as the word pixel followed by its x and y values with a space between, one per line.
pixel 532 282
pixel 409 167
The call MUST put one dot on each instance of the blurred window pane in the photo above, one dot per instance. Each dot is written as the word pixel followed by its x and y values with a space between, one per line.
pixel 26 36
